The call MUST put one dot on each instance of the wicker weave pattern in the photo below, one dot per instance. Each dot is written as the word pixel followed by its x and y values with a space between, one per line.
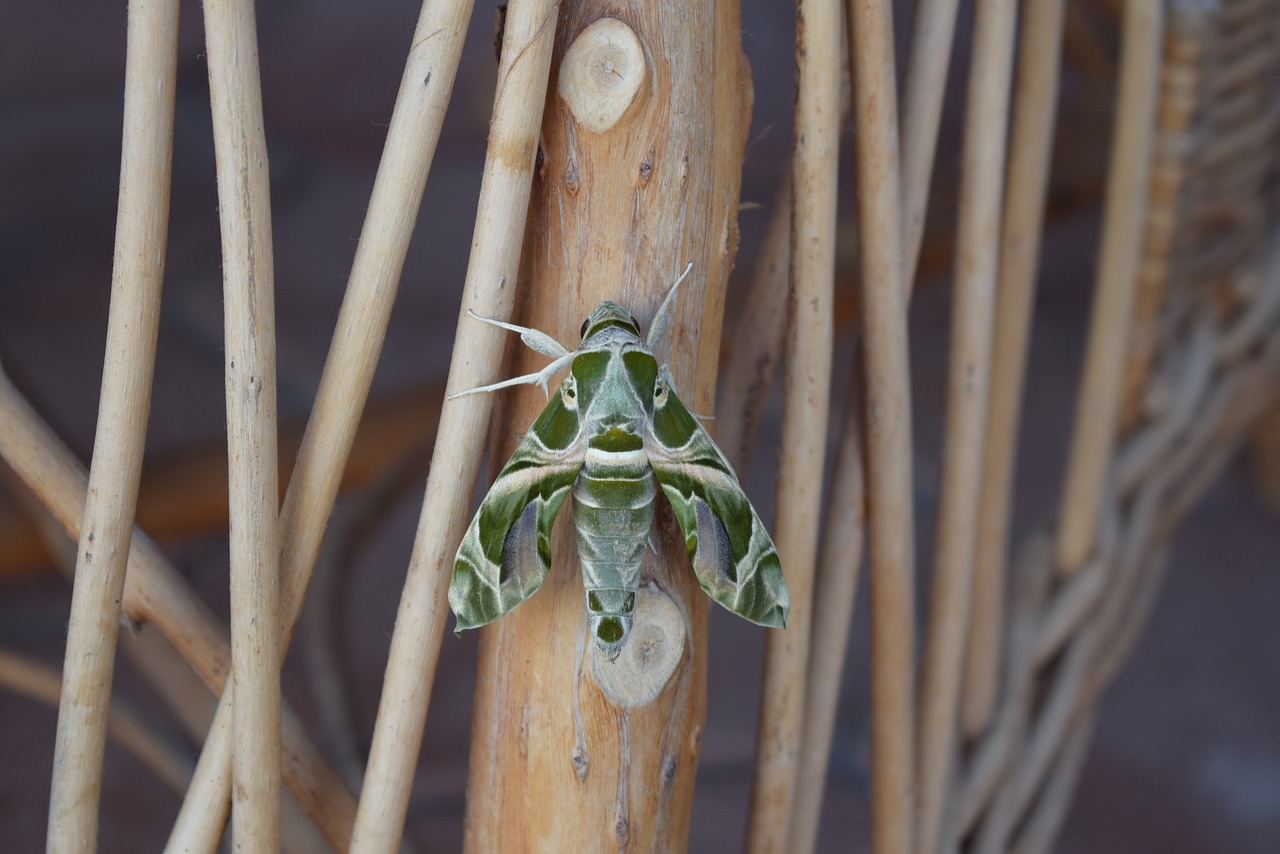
pixel 1204 365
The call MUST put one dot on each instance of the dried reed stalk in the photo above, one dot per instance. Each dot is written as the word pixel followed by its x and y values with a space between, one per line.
pixel 244 213
pixel 425 87
pixel 806 405
pixel 477 355
pixel 1030 148
pixel 837 578
pixel 926 84
pixel 757 343
pixel 888 425
pixel 973 317
pixel 155 593
pixel 138 273
pixel 1101 390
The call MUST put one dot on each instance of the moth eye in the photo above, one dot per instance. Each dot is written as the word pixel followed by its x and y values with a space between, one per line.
pixel 583 332
pixel 635 322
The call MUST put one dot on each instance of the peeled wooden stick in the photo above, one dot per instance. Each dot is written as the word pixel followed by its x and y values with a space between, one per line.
pixel 837 580
pixel 888 427
pixel 154 592
pixel 477 356
pixel 425 87
pixel 137 276
pixel 757 343
pixel 926 84
pixel 1101 390
pixel 1030 148
pixel 973 318
pixel 244 213
pixel 804 420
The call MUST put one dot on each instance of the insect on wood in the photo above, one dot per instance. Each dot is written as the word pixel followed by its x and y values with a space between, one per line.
pixel 612 430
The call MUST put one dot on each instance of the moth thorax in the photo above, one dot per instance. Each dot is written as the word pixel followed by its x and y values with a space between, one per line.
pixel 610 611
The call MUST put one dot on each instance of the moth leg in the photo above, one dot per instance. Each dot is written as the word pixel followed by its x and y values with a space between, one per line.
pixel 533 339
pixel 540 378
pixel 663 317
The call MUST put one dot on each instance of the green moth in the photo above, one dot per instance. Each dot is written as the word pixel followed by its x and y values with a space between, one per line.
pixel 613 431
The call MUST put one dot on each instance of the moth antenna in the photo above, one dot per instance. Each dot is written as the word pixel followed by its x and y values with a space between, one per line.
pixel 660 320
pixel 533 339
pixel 539 379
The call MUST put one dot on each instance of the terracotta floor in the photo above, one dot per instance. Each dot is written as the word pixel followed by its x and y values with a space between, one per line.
pixel 1186 757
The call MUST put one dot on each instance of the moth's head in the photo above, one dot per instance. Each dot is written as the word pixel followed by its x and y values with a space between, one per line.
pixel 610 314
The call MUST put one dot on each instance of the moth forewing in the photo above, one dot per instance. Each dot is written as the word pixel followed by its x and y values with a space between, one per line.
pixel 610 435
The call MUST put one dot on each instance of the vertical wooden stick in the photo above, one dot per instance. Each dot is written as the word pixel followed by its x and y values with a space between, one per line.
pixel 837 581
pixel 618 209
pixel 973 314
pixel 1030 148
pixel 141 231
pixel 425 87
pixel 926 84
pixel 1101 390
pixel 758 341
pixel 804 420
pixel 477 355
pixel 244 211
pixel 888 428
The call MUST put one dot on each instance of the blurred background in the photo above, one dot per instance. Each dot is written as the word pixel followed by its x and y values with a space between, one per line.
pixel 1186 755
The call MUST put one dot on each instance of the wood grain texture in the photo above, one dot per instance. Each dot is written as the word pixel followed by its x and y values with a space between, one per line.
pixel 614 215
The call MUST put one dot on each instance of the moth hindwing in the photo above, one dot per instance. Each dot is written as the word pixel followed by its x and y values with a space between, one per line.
pixel 611 434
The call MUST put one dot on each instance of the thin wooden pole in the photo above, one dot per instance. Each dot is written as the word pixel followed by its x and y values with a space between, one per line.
pixel 926 85
pixel 425 87
pixel 758 341
pixel 837 582
pixel 244 212
pixel 804 421
pixel 973 318
pixel 1101 390
pixel 1030 148
pixel 888 426
pixel 154 592
pixel 137 276
pixel 489 290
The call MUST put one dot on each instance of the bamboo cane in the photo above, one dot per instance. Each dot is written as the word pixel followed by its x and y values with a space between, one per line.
pixel 137 277
pixel 489 290
pixel 1030 147
pixel 425 86
pixel 837 578
pixel 244 213
pixel 154 592
pixel 926 84
pixel 804 422
pixel 973 317
pixel 617 212
pixel 888 427
pixel 1098 406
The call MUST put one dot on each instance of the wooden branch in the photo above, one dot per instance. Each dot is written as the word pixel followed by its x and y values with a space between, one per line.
pixel 154 592
pixel 888 428
pixel 757 343
pixel 489 290
pixel 425 87
pixel 973 318
pixel 1030 149
pixel 926 84
pixel 804 421
pixel 616 214
pixel 841 556
pixel 137 276
pixel 1101 390
pixel 244 213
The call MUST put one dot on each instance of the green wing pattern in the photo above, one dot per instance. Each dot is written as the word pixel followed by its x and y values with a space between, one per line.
pixel 732 554
pixel 506 552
